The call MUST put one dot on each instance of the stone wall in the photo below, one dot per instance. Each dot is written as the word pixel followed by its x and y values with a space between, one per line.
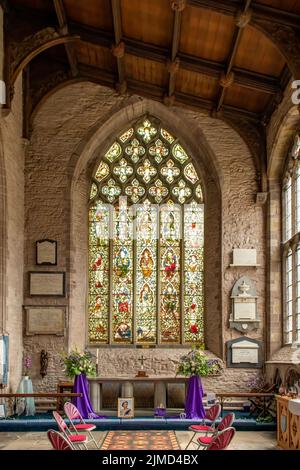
pixel 70 132
pixel 12 231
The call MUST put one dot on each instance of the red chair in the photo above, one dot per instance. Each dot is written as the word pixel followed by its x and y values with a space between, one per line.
pixel 79 440
pixel 226 423
pixel 73 413
pixel 58 441
pixel 222 440
pixel 212 414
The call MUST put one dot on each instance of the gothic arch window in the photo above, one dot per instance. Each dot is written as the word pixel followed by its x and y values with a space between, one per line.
pixel 291 245
pixel 146 239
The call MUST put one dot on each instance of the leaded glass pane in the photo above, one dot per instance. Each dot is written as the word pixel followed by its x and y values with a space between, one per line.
pixel 167 136
pixel 159 151
pixel 135 191
pixel 147 171
pixel 193 272
pixel 182 191
pixel 190 173
pixel 146 280
pixel 135 150
pixel 102 171
pixel 94 190
pixel 147 131
pixel 170 172
pixel 111 190
pixel 123 170
pixel 179 153
pixel 114 152
pixel 126 136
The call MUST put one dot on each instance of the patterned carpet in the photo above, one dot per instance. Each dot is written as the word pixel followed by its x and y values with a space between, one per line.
pixel 140 440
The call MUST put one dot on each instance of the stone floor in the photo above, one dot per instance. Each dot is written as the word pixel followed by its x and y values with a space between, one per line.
pixel 244 440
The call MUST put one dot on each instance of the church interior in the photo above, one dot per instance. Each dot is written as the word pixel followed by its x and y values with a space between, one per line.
pixel 150 224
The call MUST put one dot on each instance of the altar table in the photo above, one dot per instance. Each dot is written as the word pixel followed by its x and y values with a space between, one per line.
pixel 126 388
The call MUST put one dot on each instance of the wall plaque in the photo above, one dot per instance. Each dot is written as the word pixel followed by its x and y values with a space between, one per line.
pixel 46 252
pixel 45 320
pixel 47 283
pixel 244 315
pixel 244 353
pixel 244 257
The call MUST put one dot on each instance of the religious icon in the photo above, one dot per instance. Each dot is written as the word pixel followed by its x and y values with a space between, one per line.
pixel 170 263
pixel 125 407
pixel 122 262
pixel 170 300
pixel 146 295
pixel 146 263
pixel 123 331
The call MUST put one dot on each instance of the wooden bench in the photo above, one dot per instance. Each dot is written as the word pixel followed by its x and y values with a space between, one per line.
pixel 267 399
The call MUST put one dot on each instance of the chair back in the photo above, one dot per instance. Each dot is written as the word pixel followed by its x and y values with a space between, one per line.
pixel 58 441
pixel 222 439
pixel 60 422
pixel 71 411
pixel 226 422
pixel 213 413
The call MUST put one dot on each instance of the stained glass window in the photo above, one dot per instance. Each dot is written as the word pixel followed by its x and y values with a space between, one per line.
pixel 146 241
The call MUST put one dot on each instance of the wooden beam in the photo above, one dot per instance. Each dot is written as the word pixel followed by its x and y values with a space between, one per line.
pixel 244 78
pixel 119 48
pixel 174 64
pixel 63 28
pixel 231 7
pixel 242 20
pixel 156 92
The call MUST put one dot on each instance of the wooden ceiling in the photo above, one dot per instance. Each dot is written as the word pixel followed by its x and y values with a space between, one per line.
pixel 200 53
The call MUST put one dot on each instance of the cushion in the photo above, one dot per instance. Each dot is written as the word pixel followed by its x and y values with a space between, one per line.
pixel 77 438
pixel 85 427
pixel 205 440
pixel 196 427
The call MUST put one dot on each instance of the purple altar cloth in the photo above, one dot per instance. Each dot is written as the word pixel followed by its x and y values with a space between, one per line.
pixel 193 405
pixel 83 403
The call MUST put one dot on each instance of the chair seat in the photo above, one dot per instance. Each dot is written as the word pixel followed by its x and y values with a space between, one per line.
pixel 85 427
pixel 199 427
pixel 77 438
pixel 205 440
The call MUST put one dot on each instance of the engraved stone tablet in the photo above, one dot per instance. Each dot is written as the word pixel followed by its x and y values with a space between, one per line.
pixel 46 252
pixel 45 320
pixel 47 283
pixel 245 351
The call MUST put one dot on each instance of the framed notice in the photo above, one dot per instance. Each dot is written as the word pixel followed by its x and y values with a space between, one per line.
pixel 125 407
pixel 46 252
pixel 47 283
pixel 44 320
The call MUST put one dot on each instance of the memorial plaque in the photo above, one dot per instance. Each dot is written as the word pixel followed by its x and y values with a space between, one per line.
pixel 244 353
pixel 47 283
pixel 244 257
pixel 46 252
pixel 45 320
pixel 245 309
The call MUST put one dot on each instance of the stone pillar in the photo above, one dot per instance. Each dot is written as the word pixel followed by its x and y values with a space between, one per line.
pixel 127 390
pixel 160 394
pixel 95 390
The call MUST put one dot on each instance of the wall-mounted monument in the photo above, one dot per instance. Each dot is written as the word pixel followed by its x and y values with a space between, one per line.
pixel 244 316
pixel 244 353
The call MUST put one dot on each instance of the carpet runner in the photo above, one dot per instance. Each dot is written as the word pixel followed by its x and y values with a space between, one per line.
pixel 140 440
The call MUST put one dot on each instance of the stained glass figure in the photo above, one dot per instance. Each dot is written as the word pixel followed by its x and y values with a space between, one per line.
pixel 146 242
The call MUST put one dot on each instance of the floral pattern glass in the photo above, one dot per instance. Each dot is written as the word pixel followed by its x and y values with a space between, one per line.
pixel 146 241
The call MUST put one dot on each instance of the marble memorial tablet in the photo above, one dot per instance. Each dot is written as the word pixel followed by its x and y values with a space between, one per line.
pixel 46 252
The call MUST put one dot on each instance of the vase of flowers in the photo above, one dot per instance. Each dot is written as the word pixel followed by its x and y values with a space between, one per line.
pixel 77 363
pixel 196 362
pixel 27 366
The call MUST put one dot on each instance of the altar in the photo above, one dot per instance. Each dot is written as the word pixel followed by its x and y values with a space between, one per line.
pixel 126 388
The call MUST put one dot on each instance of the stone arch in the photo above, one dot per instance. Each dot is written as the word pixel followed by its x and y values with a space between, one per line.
pixel 80 168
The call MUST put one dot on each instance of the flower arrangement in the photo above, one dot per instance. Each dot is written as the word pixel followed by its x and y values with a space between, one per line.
pixel 27 364
pixel 77 363
pixel 196 362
